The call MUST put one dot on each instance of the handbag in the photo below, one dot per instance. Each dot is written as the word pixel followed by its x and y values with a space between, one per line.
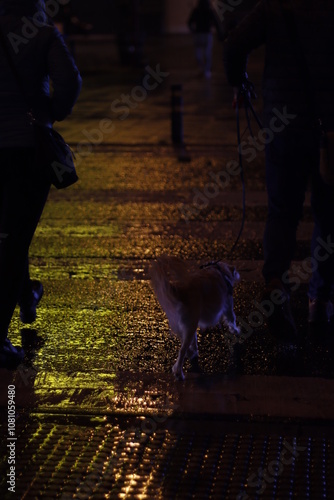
pixel 326 156
pixel 53 156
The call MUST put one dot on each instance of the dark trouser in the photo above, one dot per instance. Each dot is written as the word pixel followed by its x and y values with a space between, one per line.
pixel 23 194
pixel 26 287
pixel 292 158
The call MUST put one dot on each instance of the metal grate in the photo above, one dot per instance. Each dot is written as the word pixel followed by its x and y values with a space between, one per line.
pixel 138 459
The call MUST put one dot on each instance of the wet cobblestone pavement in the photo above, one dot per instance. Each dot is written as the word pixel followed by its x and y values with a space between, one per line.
pixel 98 414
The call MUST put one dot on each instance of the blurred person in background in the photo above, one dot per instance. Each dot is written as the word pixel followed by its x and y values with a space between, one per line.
pixel 201 22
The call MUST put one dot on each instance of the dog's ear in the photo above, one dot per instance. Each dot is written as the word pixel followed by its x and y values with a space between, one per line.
pixel 230 272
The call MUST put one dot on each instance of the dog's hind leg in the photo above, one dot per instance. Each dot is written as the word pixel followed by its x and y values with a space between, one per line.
pixel 192 351
pixel 186 340
pixel 192 354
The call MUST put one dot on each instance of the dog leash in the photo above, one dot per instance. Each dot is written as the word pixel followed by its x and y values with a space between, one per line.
pixel 246 92
pixel 224 276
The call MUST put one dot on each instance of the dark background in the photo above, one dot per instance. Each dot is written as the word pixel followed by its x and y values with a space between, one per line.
pixel 111 16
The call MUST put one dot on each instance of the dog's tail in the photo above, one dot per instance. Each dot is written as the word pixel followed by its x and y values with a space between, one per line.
pixel 161 275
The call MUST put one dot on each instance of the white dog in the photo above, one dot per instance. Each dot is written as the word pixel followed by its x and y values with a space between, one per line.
pixel 193 298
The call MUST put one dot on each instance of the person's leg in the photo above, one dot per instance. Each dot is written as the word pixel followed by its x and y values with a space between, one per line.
pixel 22 199
pixel 30 296
pixel 26 281
pixel 208 54
pixel 322 248
pixel 199 51
pixel 287 170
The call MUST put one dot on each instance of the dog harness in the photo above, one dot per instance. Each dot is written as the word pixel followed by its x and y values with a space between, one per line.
pixel 226 279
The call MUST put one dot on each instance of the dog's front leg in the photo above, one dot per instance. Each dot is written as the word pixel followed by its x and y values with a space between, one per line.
pixel 192 351
pixel 230 319
pixel 186 340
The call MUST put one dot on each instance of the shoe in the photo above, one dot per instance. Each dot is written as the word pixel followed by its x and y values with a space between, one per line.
pixel 320 311
pixel 280 320
pixel 28 305
pixel 10 356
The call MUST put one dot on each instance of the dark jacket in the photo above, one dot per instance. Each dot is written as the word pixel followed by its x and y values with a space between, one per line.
pixel 201 20
pixel 38 53
pixel 283 81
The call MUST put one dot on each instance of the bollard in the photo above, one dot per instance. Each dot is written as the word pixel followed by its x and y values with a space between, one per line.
pixel 177 114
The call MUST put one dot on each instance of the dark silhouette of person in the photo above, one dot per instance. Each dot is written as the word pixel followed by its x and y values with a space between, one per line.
pixel 201 22
pixel 38 53
pixel 71 24
pixel 298 86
